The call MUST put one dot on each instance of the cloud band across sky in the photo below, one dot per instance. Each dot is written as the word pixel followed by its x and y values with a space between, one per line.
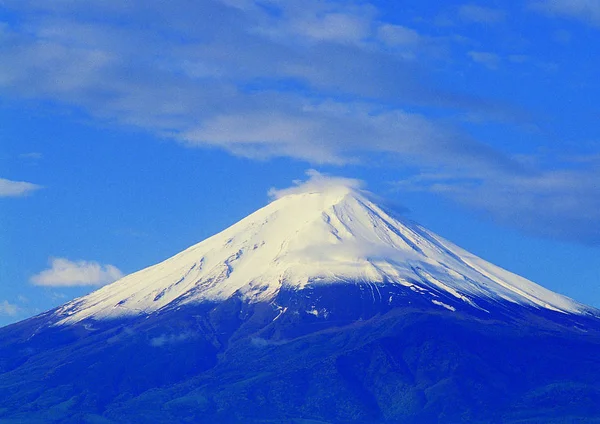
pixel 332 82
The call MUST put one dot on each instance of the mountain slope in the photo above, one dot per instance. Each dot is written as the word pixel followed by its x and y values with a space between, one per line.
pixel 319 308
pixel 331 236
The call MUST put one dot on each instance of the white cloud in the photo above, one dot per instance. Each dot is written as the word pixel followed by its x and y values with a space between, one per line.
pixel 66 273
pixel 339 133
pixel 398 35
pixel 317 182
pixel 10 188
pixel 31 156
pixel 562 204
pixel 489 60
pixel 322 81
pixel 334 27
pixel 322 22
pixel 584 10
pixel 236 69
pixel 7 308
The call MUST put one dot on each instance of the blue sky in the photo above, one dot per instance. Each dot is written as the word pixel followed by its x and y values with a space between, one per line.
pixel 129 131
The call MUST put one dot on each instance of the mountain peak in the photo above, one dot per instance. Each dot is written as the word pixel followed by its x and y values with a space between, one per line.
pixel 329 232
pixel 319 184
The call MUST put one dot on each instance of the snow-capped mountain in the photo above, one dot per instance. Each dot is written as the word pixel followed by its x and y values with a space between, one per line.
pixel 333 235
pixel 320 307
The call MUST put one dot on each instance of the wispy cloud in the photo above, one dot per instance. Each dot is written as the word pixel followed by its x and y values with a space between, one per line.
pixel 561 203
pixel 271 68
pixel 66 273
pixel 31 156
pixel 317 182
pixel 399 35
pixel 351 26
pixel 489 60
pixel 9 188
pixel 480 14
pixel 9 309
pixel 332 132
pixel 321 81
pixel 587 11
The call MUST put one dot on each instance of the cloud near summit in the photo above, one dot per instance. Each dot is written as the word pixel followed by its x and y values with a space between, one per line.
pixel 317 182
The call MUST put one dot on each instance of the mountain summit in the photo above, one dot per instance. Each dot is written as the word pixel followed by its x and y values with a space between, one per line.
pixel 320 307
pixel 324 236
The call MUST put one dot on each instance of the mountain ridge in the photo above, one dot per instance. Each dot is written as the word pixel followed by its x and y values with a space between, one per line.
pixel 328 236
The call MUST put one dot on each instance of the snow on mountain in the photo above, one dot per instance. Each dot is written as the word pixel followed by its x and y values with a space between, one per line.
pixel 332 234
